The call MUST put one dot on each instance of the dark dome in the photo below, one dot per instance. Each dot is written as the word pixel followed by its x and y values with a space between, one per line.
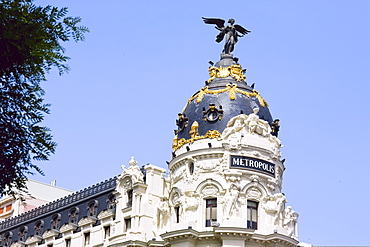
pixel 226 96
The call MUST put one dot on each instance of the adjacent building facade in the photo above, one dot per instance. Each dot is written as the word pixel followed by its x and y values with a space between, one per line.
pixel 37 195
pixel 223 186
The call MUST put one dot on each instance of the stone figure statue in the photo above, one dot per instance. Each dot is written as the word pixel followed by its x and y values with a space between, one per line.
pixel 230 32
pixel 134 171
pixel 275 204
pixel 257 125
pixel 232 205
pixel 290 221
pixel 235 125
pixel 163 213
pixel 280 203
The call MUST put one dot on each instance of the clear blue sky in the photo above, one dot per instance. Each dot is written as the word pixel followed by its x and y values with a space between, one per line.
pixel 142 61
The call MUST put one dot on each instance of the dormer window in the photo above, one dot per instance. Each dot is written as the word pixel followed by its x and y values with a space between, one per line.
pixel 7 239
pixel 111 202
pixel 92 209
pixel 55 221
pixel 73 215
pixel 23 233
pixel 39 227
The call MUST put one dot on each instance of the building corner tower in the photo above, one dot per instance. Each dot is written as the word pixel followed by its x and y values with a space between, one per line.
pixel 225 181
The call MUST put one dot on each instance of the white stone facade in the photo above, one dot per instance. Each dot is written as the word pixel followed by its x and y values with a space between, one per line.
pixel 219 192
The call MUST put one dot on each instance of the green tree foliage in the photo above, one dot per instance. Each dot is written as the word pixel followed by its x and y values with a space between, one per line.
pixel 30 45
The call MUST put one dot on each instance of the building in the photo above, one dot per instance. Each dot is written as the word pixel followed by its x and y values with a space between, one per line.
pixel 223 186
pixel 37 195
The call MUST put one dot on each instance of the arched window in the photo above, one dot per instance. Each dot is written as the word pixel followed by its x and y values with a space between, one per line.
pixel 39 226
pixel 7 240
pixel 23 230
pixel 92 209
pixel 177 214
pixel 111 202
pixel 191 167
pixel 73 215
pixel 129 198
pixel 55 221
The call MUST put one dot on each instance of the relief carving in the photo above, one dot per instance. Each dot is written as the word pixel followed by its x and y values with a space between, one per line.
pixel 254 193
pixel 290 221
pixel 243 124
pixel 209 190
pixel 274 204
pixel 232 202
pixel 163 212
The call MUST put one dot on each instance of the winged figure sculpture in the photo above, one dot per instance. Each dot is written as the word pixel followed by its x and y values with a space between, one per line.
pixel 230 32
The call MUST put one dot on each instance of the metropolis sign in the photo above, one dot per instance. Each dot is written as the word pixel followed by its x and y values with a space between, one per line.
pixel 252 164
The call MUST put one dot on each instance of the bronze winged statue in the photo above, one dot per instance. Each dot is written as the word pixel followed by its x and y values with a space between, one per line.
pixel 230 32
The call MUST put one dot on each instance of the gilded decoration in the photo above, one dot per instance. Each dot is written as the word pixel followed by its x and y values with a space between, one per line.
pixel 232 89
pixel 235 71
pixel 194 135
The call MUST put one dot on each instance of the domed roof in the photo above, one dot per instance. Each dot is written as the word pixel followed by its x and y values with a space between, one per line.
pixel 225 96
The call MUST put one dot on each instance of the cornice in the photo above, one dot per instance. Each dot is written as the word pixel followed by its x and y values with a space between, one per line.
pixel 229 232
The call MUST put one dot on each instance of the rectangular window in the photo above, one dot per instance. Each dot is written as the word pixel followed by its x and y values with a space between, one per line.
pixel 177 213
pixel 1 210
pixel 68 242
pixel 106 232
pixel 211 212
pixel 252 214
pixel 8 208
pixel 129 199
pixel 128 224
pixel 86 238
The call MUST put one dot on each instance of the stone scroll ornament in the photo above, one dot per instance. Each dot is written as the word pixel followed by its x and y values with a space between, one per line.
pixel 230 32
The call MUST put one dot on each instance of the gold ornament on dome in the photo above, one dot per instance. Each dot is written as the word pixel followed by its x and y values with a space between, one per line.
pixel 232 89
pixel 194 135
pixel 235 71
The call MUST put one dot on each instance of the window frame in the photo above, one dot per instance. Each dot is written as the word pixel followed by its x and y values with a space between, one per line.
pixel 209 207
pixel 130 195
pixel 128 224
pixel 250 210
pixel 87 238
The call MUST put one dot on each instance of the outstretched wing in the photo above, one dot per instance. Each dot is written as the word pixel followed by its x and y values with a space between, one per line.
pixel 219 22
pixel 241 29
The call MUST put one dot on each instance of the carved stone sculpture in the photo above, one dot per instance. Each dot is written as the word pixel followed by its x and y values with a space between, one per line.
pixel 163 213
pixel 235 126
pixel 248 124
pixel 230 32
pixel 232 204
pixel 257 125
pixel 274 204
pixel 290 221
pixel 134 171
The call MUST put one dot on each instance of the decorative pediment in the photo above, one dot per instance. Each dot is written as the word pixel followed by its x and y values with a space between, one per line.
pixel 106 214
pixel 50 233
pixel 87 220
pixel 68 227
pixel 33 240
